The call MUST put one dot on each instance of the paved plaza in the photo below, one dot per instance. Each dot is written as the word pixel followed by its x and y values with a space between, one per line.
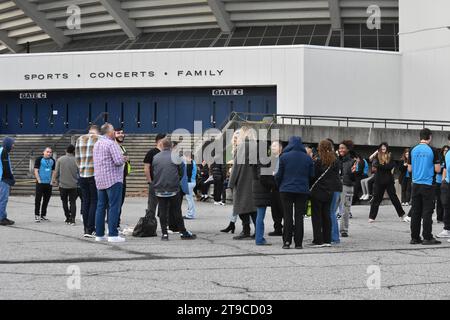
pixel 42 261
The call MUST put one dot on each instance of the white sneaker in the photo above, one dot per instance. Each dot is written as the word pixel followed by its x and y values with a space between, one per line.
pixel 222 203
pixel 116 239
pixel 448 240
pixel 101 238
pixel 217 203
pixel 371 220
pixel 407 219
pixel 444 234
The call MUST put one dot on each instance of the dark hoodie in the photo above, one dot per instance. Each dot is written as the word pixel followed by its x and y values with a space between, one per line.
pixel 295 168
pixel 5 169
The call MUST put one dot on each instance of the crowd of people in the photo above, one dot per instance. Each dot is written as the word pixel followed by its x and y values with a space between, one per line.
pixel 327 179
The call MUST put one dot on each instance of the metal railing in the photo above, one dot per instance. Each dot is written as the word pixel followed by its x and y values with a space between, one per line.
pixel 57 142
pixel 310 120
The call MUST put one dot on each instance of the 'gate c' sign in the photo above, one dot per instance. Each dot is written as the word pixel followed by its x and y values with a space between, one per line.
pixel 228 92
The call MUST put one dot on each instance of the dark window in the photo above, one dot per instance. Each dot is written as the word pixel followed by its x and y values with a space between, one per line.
pixel 335 41
pixel 302 40
pixel 352 41
pixel 199 34
pixel 241 32
pixel 352 29
pixel 285 41
pixel 257 31
pixel 150 45
pixel 185 35
pixel 367 32
pixel 164 44
pixel 236 42
pixel 387 29
pixel 269 41
pixel 305 30
pixel 204 43
pixel 273 31
pixel 212 33
pixel 191 44
pixel 318 40
pixel 322 30
pixel 252 42
pixel 170 36
pixel 289 31
pixel 158 36
pixel 177 44
pixel 387 41
pixel 220 43
pixel 369 42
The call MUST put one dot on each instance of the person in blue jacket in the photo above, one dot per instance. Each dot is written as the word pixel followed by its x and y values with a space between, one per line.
pixel 295 171
pixel 6 179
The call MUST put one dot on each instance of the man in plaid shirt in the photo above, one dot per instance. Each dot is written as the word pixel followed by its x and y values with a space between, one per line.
pixel 108 169
pixel 85 162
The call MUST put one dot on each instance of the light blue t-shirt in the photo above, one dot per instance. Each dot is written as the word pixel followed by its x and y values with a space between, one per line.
pixel 423 159
pixel 447 160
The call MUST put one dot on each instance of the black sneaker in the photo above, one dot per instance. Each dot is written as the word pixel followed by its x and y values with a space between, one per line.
pixel 298 247
pixel 344 235
pixel 286 245
pixel 43 218
pixel 6 222
pixel 37 219
pixel 350 215
pixel 72 222
pixel 67 221
pixel 275 233
pixel 430 242
pixel 187 235
pixel 165 237
pixel 415 241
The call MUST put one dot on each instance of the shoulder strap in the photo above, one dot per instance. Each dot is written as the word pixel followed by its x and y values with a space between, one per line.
pixel 320 178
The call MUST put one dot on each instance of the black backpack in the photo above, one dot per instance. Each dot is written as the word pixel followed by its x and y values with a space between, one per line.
pixel 146 227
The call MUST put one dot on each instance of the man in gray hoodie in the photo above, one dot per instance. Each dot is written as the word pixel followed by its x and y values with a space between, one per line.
pixel 6 179
pixel 166 182
pixel 66 177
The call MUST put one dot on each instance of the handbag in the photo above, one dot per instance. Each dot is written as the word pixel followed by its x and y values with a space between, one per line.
pixel 320 178
pixel 146 227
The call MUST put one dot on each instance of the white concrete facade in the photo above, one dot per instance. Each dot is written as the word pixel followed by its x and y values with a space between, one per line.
pixel 412 84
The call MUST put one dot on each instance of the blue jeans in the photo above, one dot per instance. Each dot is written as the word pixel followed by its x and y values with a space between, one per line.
pixel 334 222
pixel 113 197
pixel 190 201
pixel 259 229
pixel 89 203
pixel 4 194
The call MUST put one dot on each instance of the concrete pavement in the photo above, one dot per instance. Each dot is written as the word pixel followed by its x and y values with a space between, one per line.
pixel 43 261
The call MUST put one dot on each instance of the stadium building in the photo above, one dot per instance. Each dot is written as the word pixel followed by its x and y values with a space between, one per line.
pixel 157 65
